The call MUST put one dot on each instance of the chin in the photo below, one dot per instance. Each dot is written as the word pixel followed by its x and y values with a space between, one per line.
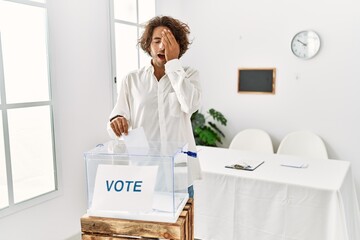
pixel 160 63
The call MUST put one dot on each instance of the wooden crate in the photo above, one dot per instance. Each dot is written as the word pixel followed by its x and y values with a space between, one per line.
pixel 100 228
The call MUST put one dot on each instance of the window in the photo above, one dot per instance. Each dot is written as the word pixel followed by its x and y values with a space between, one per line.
pixel 128 18
pixel 27 154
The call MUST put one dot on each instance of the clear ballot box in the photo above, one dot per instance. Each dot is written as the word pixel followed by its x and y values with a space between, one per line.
pixel 147 183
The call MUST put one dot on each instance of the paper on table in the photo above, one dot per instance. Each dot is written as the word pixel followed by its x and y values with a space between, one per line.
pixel 136 139
pixel 294 163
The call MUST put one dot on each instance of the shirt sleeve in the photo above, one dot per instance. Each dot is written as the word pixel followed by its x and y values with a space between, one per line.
pixel 122 106
pixel 186 85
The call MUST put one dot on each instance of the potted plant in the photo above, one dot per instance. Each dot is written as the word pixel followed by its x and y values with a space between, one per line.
pixel 207 133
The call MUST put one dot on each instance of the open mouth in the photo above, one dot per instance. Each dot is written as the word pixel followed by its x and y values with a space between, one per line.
pixel 161 56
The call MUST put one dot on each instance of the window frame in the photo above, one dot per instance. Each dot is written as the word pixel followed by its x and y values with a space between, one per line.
pixel 4 107
pixel 113 21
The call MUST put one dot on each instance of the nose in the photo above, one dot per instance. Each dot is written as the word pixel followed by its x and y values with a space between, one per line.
pixel 161 46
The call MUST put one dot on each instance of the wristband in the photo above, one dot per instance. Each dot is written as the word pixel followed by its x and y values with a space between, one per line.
pixel 115 117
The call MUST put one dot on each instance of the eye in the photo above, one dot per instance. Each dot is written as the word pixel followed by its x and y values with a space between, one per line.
pixel 156 40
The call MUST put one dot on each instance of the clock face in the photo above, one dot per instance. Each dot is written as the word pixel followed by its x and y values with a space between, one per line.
pixel 305 44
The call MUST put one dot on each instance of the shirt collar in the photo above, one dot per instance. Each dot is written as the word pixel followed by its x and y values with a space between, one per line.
pixel 151 68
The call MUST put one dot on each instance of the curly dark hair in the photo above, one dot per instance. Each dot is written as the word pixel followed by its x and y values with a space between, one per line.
pixel 179 29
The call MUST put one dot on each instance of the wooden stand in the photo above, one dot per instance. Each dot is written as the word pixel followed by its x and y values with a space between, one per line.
pixel 99 228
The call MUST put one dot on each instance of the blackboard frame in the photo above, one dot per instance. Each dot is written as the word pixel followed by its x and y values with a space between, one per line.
pixel 256 80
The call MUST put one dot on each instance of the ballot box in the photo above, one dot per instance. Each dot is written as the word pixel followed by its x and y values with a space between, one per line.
pixel 137 183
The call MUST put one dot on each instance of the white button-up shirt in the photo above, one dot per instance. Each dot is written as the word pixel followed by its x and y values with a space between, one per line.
pixel 163 108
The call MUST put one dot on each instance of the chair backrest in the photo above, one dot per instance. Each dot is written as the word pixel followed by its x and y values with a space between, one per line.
pixel 255 140
pixel 303 143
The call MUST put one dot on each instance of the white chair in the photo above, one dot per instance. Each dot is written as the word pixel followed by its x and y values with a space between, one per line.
pixel 255 140
pixel 303 143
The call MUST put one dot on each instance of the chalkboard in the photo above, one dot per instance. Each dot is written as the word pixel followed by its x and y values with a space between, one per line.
pixel 256 80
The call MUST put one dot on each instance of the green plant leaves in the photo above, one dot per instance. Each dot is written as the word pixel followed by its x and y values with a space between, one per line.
pixel 207 136
pixel 213 125
pixel 218 116
pixel 205 132
pixel 197 120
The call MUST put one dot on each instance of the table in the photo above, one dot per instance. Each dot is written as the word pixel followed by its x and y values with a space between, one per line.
pixel 274 202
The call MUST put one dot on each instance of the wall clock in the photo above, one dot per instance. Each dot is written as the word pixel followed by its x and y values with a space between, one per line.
pixel 305 44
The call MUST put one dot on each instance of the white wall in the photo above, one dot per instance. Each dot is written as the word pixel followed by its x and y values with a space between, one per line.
pixel 81 73
pixel 320 94
pixel 227 35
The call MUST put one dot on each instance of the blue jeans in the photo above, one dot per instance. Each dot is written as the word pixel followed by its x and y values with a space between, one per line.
pixel 191 191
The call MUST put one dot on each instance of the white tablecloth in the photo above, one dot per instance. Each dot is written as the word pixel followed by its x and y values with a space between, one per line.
pixel 274 202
